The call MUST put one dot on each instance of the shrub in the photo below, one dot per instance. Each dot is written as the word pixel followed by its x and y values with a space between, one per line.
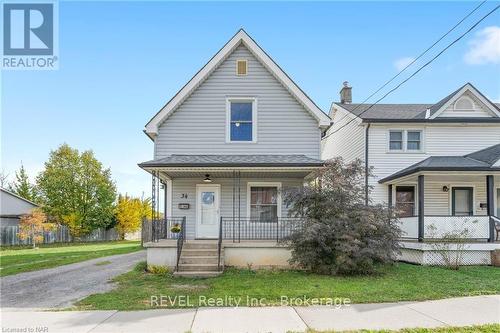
pixel 341 235
pixel 158 270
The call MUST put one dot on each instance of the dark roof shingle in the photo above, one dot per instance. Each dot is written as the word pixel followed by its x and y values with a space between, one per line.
pixel 233 160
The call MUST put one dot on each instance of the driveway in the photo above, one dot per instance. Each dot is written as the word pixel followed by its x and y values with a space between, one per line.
pixel 62 286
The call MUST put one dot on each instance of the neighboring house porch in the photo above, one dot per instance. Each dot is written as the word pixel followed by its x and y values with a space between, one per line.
pixel 451 199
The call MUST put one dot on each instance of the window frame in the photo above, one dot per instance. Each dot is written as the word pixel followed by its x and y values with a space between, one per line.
pixel 402 140
pixel 246 67
pixel 240 99
pixel 404 147
pixel 279 204
pixel 415 199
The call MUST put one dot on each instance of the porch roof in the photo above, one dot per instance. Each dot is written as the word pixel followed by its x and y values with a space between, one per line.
pixel 233 161
pixel 482 160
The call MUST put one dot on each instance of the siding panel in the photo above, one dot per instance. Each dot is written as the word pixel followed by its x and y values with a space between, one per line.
pixel 198 126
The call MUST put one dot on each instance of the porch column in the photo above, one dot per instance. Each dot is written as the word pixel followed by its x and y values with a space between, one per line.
pixel 389 195
pixel 165 201
pixel 421 205
pixel 490 205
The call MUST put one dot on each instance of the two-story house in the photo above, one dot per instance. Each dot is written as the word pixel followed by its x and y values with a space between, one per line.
pixel 438 164
pixel 226 146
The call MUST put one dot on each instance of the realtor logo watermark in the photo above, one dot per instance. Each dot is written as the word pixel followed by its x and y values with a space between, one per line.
pixel 30 35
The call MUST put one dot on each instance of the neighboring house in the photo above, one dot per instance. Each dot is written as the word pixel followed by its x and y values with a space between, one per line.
pixel 226 146
pixel 12 207
pixel 438 164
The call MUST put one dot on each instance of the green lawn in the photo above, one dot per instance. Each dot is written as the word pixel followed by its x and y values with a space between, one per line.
pixel 492 328
pixel 401 282
pixel 22 259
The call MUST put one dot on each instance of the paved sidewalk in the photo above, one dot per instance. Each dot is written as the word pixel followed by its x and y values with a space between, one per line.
pixel 449 312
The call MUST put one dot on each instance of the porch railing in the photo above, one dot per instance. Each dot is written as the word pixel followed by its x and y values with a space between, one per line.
pixel 437 226
pixel 238 229
pixel 154 230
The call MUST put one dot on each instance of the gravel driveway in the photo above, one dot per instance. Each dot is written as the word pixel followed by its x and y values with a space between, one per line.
pixel 62 286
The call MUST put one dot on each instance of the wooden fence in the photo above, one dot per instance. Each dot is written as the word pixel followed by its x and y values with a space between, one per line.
pixel 8 236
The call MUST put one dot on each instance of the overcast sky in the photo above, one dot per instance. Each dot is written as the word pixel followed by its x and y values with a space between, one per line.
pixel 120 62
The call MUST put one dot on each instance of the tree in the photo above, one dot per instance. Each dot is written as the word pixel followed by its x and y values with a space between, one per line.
pixel 77 191
pixel 33 225
pixel 3 179
pixel 130 212
pixel 341 234
pixel 22 185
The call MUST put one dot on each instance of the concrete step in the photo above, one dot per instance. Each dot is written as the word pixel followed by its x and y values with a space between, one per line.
pixel 200 274
pixel 198 259
pixel 200 245
pixel 198 267
pixel 199 252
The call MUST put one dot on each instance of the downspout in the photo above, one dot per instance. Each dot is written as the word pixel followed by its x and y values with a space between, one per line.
pixel 367 167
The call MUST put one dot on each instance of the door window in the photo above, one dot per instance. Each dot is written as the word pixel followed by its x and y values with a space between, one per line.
pixel 462 201
pixel 405 200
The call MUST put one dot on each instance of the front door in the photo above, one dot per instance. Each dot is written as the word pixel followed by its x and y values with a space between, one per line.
pixel 461 201
pixel 207 211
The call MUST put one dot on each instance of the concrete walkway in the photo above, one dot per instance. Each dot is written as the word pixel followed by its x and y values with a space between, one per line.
pixel 63 285
pixel 449 312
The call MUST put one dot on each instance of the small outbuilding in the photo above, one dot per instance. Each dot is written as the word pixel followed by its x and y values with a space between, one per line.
pixel 12 207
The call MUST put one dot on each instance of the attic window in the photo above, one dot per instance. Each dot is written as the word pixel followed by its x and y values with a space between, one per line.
pixel 241 67
pixel 464 103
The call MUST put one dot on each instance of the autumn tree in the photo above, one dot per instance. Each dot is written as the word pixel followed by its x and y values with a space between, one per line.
pixel 130 212
pixel 33 225
pixel 77 191
pixel 22 185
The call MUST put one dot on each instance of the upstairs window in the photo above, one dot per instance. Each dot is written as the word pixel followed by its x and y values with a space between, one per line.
pixel 241 120
pixel 413 140
pixel 396 140
pixel 405 141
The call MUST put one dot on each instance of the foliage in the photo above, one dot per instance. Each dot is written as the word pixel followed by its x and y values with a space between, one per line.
pixel 342 235
pixel 158 270
pixel 76 190
pixel 451 245
pixel 33 225
pixel 176 228
pixel 22 185
pixel 130 212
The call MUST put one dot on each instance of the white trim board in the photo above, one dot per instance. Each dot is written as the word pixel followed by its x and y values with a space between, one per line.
pixel 241 37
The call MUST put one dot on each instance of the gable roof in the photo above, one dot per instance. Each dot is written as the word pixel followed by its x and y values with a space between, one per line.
pixel 241 37
pixel 18 197
pixel 482 160
pixel 418 112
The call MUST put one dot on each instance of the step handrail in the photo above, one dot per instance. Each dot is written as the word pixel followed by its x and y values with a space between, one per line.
pixel 180 242
pixel 219 245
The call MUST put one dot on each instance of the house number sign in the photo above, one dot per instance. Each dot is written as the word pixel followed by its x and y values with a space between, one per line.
pixel 184 195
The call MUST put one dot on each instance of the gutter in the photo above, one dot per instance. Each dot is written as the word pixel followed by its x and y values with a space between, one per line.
pixel 367 167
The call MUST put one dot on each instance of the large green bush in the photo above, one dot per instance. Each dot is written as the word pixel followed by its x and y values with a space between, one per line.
pixel 342 235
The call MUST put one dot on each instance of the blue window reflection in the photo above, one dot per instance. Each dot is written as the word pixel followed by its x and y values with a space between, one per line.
pixel 241 121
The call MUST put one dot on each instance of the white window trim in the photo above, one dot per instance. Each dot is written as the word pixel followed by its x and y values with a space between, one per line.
pixel 228 118
pixel 246 66
pixel 264 184
pixel 405 149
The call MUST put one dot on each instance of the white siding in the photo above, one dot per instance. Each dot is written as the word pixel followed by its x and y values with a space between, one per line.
pixel 188 186
pixel 439 140
pixel 198 126
pixel 348 142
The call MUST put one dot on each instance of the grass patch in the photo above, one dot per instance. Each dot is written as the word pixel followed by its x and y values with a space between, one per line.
pixel 399 282
pixel 20 259
pixel 491 328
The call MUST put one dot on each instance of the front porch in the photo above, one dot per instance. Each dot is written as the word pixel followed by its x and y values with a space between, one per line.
pixel 223 203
